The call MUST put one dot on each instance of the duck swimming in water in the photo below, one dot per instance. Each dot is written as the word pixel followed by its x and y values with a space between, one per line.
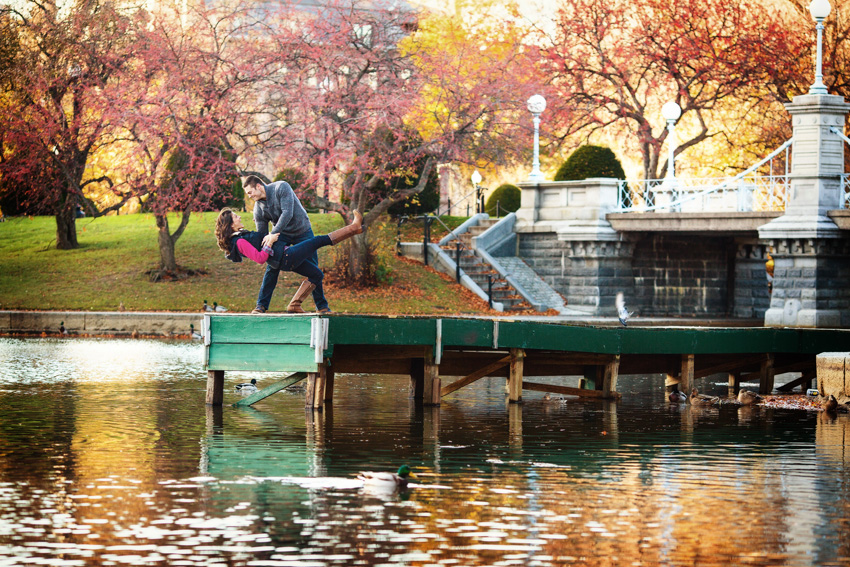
pixel 387 480
pixel 747 398
pixel 247 387
pixel 698 399
pixel 831 404
pixel 677 397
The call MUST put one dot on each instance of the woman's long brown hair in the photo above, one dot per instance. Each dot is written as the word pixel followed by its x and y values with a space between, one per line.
pixel 224 229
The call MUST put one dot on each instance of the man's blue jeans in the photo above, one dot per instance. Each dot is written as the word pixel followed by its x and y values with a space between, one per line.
pixel 272 274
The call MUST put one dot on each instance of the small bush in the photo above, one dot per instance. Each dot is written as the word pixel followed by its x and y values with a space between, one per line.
pixel 508 198
pixel 590 161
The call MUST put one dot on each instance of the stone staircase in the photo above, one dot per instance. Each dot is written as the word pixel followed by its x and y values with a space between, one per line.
pixel 478 270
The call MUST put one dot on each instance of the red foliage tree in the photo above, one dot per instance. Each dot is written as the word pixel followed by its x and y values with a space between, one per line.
pixel 183 109
pixel 358 81
pixel 59 77
pixel 616 63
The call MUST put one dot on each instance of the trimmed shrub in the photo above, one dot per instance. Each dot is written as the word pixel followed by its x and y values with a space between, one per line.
pixel 508 198
pixel 590 161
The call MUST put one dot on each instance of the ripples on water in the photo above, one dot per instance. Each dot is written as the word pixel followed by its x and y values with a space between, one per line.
pixel 109 457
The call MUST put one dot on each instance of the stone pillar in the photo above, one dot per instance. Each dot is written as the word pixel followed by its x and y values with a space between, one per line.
pixel 576 250
pixel 809 251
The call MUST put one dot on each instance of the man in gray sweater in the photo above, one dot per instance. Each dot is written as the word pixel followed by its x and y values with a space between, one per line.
pixel 277 203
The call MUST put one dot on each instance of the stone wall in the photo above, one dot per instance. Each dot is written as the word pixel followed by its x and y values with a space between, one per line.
pixel 681 275
pixel 661 275
pixel 96 323
pixel 833 379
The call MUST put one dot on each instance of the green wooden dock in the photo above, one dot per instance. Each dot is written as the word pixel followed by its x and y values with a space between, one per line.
pixel 463 350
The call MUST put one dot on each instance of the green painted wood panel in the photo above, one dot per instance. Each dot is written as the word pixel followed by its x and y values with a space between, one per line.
pixel 547 336
pixel 382 331
pixel 261 358
pixel 267 329
pixel 468 332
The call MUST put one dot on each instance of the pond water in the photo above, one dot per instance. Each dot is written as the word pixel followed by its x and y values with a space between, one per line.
pixel 110 457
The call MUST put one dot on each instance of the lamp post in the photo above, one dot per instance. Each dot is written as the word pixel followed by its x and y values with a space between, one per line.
pixel 536 105
pixel 820 10
pixel 671 112
pixel 476 182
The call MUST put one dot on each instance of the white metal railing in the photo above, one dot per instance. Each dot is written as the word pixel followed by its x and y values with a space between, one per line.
pixel 845 185
pixel 750 190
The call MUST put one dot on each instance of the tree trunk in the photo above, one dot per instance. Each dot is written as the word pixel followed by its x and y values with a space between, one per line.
pixel 357 258
pixel 66 227
pixel 167 258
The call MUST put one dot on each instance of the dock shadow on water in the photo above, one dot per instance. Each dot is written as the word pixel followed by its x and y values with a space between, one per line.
pixel 110 457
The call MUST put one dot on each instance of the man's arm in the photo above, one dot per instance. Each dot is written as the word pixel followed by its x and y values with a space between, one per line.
pixel 262 224
pixel 286 200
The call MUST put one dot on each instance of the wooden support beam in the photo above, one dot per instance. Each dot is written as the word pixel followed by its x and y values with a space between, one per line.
pixel 609 378
pixel 686 376
pixel 329 381
pixel 431 380
pixel 310 394
pixel 269 390
pixel 804 381
pixel 766 376
pixel 417 378
pixel 321 386
pixel 566 390
pixel 477 375
pixel 730 366
pixel 215 387
pixel 734 383
pixel 515 378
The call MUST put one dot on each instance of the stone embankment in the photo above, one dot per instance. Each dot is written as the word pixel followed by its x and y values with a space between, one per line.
pixel 100 323
pixel 834 375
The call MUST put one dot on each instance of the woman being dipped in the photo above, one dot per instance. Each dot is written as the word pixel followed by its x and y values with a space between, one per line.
pixel 237 242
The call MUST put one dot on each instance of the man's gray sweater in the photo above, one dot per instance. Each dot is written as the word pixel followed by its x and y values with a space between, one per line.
pixel 283 209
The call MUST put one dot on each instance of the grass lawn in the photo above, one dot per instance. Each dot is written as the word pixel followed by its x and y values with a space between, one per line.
pixel 116 252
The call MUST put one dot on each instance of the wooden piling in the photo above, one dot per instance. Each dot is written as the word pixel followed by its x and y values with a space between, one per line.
pixel 329 381
pixel 215 387
pixel 766 376
pixel 515 376
pixel 431 380
pixel 609 378
pixel 686 376
pixel 734 383
pixel 417 379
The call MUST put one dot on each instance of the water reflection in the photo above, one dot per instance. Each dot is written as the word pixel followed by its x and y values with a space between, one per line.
pixel 109 457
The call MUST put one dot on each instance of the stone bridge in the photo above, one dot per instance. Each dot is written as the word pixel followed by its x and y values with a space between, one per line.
pixel 709 264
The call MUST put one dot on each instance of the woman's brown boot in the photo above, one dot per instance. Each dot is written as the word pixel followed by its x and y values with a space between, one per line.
pixel 356 227
pixel 300 295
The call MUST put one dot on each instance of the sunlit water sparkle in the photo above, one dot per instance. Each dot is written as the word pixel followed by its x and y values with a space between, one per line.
pixel 110 457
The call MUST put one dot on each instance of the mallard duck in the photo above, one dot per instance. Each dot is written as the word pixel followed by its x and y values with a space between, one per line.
pixel 194 334
pixel 62 329
pixel 387 480
pixel 247 387
pixel 698 399
pixel 677 397
pixel 831 404
pixel 747 398
pixel 219 308
pixel 206 307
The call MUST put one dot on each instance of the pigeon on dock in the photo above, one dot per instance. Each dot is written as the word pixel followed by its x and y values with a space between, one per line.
pixel 622 313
